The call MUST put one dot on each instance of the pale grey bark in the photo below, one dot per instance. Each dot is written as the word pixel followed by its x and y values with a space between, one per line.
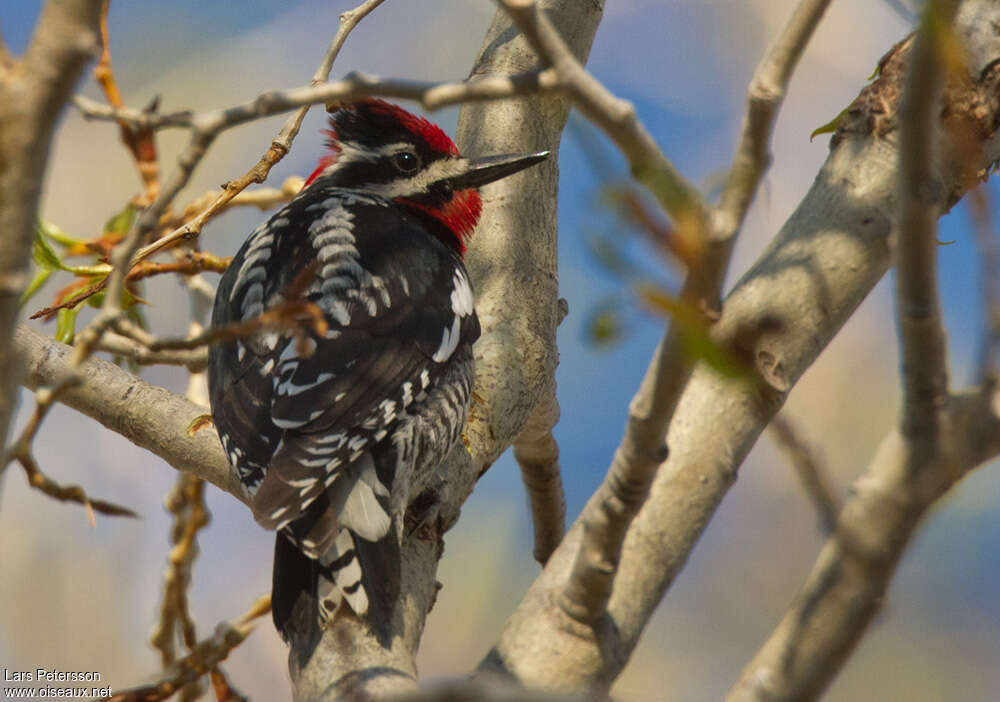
pixel 148 416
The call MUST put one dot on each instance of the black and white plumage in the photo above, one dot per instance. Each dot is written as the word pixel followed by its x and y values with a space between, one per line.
pixel 325 431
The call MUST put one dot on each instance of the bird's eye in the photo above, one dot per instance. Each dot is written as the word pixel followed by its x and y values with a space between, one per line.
pixel 406 162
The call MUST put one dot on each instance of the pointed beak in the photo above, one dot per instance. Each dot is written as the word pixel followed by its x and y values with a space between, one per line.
pixel 490 168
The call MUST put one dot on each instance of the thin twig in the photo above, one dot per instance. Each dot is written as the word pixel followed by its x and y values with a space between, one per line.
pixel 810 471
pixel 140 141
pixel 124 403
pixel 186 502
pixel 290 314
pixel 130 350
pixel 190 263
pixel 69 493
pixel 429 95
pixel 205 656
pixel 223 689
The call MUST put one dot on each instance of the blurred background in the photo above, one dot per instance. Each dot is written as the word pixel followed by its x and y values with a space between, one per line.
pixel 79 598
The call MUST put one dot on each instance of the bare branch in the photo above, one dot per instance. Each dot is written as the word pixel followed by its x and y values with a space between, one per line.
pixel 918 308
pixel 223 689
pixel 430 95
pixel 186 502
pixel 940 438
pixel 349 19
pixel 139 141
pixel 810 471
pixel 138 119
pixel 765 95
pixel 124 403
pixel 537 453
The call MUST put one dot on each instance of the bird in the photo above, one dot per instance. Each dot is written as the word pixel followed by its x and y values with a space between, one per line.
pixel 325 425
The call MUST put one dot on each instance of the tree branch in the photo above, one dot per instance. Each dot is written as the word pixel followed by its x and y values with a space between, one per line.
pixel 124 404
pixel 537 453
pixel 848 583
pixel 918 309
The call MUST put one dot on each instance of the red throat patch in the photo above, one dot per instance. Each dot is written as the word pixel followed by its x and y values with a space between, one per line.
pixel 460 215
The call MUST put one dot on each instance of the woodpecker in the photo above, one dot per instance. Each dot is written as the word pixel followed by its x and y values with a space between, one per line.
pixel 325 428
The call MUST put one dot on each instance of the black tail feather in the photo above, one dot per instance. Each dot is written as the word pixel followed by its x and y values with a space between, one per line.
pixel 294 603
pixel 380 567
pixel 295 597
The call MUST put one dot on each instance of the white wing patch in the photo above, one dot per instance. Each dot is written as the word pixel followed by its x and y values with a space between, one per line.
pixel 449 341
pixel 462 303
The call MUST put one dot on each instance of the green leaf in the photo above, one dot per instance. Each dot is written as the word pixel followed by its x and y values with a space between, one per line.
pixel 605 324
pixel 40 277
pixel 98 269
pixel 121 222
pixel 698 344
pixel 43 254
pixel 66 324
pixel 54 232
pixel 831 126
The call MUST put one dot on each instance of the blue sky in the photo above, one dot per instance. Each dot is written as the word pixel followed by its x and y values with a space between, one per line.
pixel 685 65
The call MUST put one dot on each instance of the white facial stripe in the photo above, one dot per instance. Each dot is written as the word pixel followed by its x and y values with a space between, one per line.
pixel 419 182
pixel 349 154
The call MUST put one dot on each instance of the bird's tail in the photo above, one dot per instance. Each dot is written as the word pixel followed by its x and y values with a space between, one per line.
pixel 306 593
